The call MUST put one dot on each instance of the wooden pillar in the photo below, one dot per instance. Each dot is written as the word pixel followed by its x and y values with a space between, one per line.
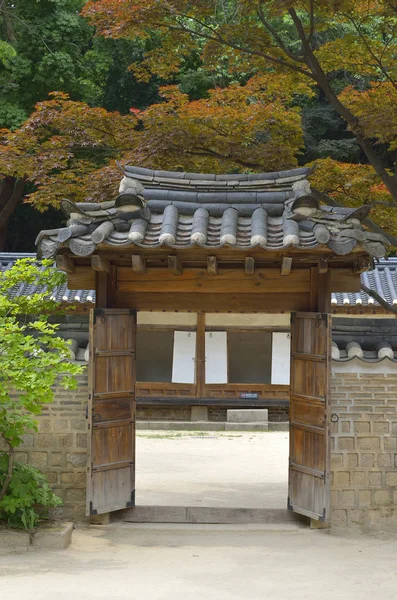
pixel 200 354
pixel 106 287
pixel 320 291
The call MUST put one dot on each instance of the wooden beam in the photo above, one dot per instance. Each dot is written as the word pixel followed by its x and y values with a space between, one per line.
pixel 322 265
pixel 138 263
pixel 212 265
pixel 249 265
pixel 98 263
pixel 175 265
pixel 286 265
pixel 65 263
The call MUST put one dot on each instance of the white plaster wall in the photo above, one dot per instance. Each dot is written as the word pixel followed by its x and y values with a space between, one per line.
pixel 167 318
pixel 247 319
pixel 356 365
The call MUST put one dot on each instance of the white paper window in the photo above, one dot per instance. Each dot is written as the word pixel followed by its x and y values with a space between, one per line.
pixel 216 357
pixel 281 349
pixel 183 363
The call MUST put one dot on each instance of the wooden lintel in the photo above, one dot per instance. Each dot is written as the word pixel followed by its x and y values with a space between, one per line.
pixel 98 263
pixel 249 265
pixel 138 263
pixel 175 265
pixel 286 265
pixel 322 265
pixel 65 263
pixel 212 265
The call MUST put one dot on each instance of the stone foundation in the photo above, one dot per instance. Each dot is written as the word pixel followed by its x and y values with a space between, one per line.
pixel 364 450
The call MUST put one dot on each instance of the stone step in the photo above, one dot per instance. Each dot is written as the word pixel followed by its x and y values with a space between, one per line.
pixel 211 426
pixel 208 515
pixel 247 415
pixel 174 529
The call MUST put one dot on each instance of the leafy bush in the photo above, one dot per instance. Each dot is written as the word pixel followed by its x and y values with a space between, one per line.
pixel 28 495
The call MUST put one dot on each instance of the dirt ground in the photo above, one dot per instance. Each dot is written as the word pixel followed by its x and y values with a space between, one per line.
pixel 137 562
pixel 239 469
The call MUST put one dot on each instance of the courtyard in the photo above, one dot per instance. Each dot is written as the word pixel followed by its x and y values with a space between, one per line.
pixel 219 469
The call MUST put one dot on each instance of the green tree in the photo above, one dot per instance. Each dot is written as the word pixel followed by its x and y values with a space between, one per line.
pixel 32 359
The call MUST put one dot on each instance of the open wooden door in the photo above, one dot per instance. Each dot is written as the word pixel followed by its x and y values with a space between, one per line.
pixel 309 461
pixel 111 411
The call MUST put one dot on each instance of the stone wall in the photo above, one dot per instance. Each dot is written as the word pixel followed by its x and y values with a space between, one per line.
pixel 364 448
pixel 59 448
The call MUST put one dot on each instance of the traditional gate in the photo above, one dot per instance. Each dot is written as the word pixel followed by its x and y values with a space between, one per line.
pixel 216 243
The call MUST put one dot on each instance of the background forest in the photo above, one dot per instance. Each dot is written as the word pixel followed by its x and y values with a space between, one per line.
pixel 215 85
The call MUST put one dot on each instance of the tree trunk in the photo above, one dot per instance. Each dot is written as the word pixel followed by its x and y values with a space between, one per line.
pixel 11 192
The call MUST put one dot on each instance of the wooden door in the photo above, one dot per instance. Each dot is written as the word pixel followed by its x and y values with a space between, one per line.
pixel 111 410
pixel 309 461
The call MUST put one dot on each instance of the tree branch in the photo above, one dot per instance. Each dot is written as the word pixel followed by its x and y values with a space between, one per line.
pixel 276 36
pixel 389 307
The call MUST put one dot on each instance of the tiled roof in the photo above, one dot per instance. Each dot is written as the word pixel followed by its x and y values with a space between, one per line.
pixel 383 279
pixel 272 211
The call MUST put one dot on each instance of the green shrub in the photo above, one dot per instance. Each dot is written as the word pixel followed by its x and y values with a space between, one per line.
pixel 28 495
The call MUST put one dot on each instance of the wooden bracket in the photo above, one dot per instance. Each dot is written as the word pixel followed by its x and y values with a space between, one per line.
pixel 249 265
pixel 138 264
pixel 175 265
pixel 98 263
pixel 212 265
pixel 286 265
pixel 65 263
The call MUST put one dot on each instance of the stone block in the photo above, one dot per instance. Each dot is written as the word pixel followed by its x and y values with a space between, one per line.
pixel 357 517
pixel 74 495
pixel 45 425
pixel 375 478
pixel 247 416
pixel 364 497
pixel 76 459
pixel 390 443
pixel 39 459
pixel 381 427
pixel 391 479
pixel 52 476
pixel 367 460
pixel 21 457
pixel 339 518
pixel 347 497
pixel 61 425
pixel 55 459
pixel 53 536
pixel 81 440
pixel 103 519
pixel 345 426
pixel 381 497
pixel 351 460
pixel 384 459
pixel 362 427
pixel 336 460
pixel 27 440
pixel 199 413
pixel 342 478
pixel 44 440
pixel 14 540
pixel 359 478
pixel 345 443
pixel 68 477
pixel 64 440
pixel 368 443
pixel 79 424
